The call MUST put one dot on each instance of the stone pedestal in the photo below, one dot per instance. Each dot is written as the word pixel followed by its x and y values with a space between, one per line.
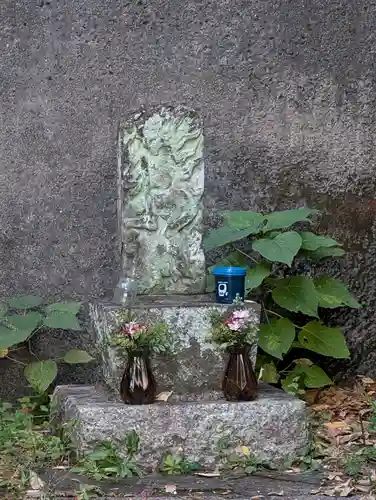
pixel 204 428
pixel 193 365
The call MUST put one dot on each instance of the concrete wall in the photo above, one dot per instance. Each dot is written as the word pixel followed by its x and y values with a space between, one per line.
pixel 287 92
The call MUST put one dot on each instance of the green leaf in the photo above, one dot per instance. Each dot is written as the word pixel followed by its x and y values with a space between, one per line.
pixel 325 252
pixel 27 323
pixel 314 376
pixel 277 336
pixel 41 374
pixel 297 294
pixel 24 301
pixel 245 220
pixel 269 373
pixel 282 248
pixel 312 241
pixel 223 236
pixel 293 384
pixel 66 307
pixel 324 340
pixel 286 218
pixel 63 320
pixel 76 356
pixel 9 338
pixel 333 293
pixel 256 275
pixel 3 309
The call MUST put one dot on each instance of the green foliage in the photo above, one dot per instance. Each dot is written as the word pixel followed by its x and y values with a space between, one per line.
pixel 277 336
pixel 178 464
pixel 40 374
pixel 107 461
pixel 326 341
pixel 26 447
pixel 283 248
pixel 274 248
pixel 297 294
pixel 23 316
pixel 76 356
pixel 138 337
pixel 242 459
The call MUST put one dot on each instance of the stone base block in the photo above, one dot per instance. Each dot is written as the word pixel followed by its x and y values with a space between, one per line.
pixel 274 427
pixel 193 365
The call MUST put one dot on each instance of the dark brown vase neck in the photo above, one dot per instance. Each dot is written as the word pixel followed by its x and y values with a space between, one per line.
pixel 139 354
pixel 239 349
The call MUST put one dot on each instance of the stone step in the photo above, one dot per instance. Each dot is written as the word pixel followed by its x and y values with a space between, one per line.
pixel 204 429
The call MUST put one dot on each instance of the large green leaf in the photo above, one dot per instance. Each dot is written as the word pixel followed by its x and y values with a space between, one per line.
pixel 244 220
pixel 297 294
pixel 286 218
pixel 76 356
pixel 63 320
pixel 282 248
pixel 269 373
pixel 333 293
pixel 26 323
pixel 314 376
pixel 9 338
pixel 277 336
pixel 312 241
pixel 223 236
pixel 40 374
pixel 24 301
pixel 67 307
pixel 324 340
pixel 256 275
pixel 325 252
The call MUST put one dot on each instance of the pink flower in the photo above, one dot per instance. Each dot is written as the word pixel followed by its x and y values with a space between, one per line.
pixel 132 328
pixel 241 314
pixel 234 325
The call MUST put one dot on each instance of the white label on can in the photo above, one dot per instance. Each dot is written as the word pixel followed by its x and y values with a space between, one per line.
pixel 222 289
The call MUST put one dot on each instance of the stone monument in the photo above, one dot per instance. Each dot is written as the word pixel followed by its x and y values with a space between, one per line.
pixel 160 190
pixel 160 209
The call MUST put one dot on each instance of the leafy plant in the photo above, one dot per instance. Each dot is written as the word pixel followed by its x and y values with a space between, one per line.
pixel 279 257
pixel 233 328
pixel 107 461
pixel 26 447
pixel 244 460
pixel 139 337
pixel 178 464
pixel 21 317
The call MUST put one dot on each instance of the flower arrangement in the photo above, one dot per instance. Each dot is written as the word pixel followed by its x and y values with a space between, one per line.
pixel 134 337
pixel 234 328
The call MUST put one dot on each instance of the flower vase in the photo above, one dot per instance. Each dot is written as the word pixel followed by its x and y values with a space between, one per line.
pixel 239 381
pixel 138 386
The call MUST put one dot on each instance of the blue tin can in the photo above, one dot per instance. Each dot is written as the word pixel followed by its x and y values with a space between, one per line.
pixel 229 282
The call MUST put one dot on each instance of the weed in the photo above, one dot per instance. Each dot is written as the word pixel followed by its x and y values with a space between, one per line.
pixel 178 464
pixel 26 447
pixel 107 461
pixel 244 460
pixel 355 463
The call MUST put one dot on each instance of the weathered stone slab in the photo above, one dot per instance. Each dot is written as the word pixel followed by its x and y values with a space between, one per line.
pixel 161 185
pixel 193 365
pixel 274 427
